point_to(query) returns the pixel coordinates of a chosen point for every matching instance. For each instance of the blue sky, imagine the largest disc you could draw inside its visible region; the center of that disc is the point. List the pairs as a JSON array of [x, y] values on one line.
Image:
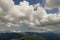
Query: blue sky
[[54, 10], [30, 1]]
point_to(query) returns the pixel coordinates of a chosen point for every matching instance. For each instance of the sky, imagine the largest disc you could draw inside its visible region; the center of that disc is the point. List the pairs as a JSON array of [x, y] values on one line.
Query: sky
[[30, 15], [31, 2]]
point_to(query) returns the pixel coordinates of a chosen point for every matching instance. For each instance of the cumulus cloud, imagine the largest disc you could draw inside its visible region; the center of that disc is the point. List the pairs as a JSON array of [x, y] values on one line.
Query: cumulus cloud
[[23, 17]]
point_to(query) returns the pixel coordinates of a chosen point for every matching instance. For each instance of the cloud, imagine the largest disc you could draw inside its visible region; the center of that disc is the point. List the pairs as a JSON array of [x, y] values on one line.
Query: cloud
[[23, 17], [52, 3]]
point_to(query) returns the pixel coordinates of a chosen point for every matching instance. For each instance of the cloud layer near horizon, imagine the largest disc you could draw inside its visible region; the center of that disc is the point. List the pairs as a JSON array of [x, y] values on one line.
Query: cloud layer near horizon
[[23, 18]]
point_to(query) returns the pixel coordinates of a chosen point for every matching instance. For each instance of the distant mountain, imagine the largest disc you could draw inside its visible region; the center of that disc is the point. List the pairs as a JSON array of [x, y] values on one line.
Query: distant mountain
[[11, 35], [46, 35]]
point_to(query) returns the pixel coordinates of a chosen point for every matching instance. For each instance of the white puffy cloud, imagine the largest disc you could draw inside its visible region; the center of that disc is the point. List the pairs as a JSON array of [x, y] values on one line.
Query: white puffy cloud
[[23, 17]]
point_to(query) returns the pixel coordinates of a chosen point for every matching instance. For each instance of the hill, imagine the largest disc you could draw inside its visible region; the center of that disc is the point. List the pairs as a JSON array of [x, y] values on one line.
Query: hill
[[46, 35]]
